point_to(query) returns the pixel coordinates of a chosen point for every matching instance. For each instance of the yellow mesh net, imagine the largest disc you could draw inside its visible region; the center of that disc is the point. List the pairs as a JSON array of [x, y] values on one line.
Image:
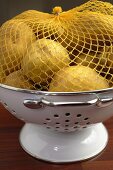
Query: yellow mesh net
[[63, 51]]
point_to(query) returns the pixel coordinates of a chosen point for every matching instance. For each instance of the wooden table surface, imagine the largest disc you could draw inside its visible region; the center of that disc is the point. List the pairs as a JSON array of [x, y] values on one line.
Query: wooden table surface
[[12, 156]]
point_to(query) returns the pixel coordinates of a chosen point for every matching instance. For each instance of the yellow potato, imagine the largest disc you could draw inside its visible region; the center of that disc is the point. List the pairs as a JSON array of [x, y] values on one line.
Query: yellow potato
[[39, 22], [2, 75], [30, 14], [45, 25], [77, 78], [43, 59], [33, 16], [96, 6], [15, 37], [16, 79]]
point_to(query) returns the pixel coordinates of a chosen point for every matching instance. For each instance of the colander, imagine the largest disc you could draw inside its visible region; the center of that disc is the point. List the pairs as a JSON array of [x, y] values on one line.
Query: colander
[[44, 51], [60, 127]]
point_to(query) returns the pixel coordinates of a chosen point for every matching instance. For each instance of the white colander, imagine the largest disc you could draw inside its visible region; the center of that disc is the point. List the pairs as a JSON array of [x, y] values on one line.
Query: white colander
[[60, 127]]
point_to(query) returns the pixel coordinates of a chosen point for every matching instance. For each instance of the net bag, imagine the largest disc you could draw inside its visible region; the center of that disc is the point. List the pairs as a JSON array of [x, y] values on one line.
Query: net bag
[[59, 52]]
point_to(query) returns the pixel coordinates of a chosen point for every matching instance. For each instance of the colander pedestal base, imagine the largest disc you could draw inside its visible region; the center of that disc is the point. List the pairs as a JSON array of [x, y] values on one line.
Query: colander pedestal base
[[59, 147]]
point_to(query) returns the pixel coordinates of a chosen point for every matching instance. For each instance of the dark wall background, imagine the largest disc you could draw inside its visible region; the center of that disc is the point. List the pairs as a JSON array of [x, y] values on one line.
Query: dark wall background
[[10, 8]]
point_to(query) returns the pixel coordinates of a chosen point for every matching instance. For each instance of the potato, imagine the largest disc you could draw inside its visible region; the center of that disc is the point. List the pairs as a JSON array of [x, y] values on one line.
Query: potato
[[77, 78], [96, 6], [38, 21], [41, 24], [15, 37], [33, 15], [2, 75], [16, 79], [29, 14], [43, 59]]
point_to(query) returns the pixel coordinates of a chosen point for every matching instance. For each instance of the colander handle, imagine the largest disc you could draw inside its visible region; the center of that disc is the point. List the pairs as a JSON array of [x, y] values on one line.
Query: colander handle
[[34, 104]]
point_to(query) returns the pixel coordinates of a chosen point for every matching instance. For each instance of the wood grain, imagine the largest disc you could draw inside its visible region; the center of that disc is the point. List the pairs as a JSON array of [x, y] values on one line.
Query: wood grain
[[12, 156]]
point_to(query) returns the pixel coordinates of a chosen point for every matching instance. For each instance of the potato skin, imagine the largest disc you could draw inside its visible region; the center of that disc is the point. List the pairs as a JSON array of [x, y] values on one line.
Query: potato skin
[[44, 58], [15, 37], [77, 78], [16, 79], [2, 75], [95, 6]]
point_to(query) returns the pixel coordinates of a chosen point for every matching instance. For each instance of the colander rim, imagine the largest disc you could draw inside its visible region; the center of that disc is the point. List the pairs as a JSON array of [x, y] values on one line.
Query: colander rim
[[54, 93]]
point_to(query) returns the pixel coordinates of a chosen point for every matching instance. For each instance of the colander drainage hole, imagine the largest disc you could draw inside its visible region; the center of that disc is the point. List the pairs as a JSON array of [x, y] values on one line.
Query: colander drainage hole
[[48, 127], [88, 123], [56, 115], [76, 123], [66, 125], [57, 123], [67, 120], [67, 114], [45, 123], [86, 118], [48, 119], [66, 129], [79, 115], [75, 127], [85, 127], [57, 127]]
